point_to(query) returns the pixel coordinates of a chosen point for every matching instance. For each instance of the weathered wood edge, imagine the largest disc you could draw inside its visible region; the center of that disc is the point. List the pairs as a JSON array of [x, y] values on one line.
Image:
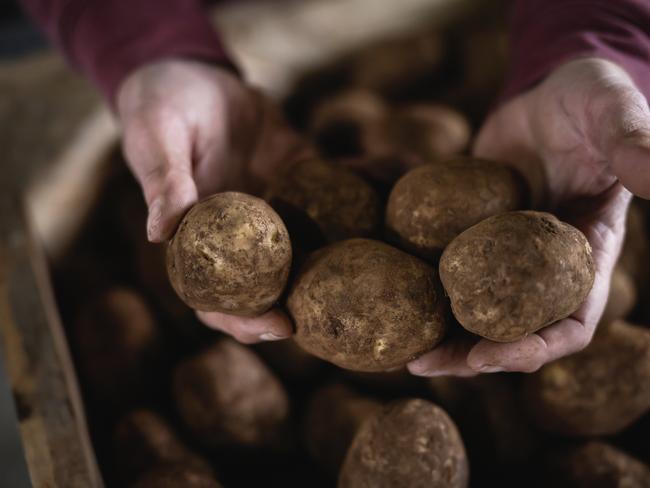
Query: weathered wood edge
[[37, 360]]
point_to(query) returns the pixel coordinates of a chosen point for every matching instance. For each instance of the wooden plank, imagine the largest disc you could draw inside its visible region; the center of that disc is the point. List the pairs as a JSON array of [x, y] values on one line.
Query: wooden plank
[[38, 363], [55, 135]]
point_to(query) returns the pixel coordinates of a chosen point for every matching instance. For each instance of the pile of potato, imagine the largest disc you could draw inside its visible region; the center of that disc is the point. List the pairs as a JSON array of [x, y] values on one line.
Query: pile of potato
[[380, 248]]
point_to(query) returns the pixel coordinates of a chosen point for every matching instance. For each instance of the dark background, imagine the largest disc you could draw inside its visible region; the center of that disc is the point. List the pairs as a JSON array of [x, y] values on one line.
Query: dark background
[[17, 35]]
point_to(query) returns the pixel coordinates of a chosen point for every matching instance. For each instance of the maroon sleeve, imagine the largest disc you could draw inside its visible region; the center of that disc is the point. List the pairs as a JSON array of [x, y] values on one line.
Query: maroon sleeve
[[546, 33], [106, 39]]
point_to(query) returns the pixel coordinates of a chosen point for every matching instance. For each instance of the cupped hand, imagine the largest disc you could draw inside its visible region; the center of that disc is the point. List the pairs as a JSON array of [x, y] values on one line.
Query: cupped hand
[[191, 129], [582, 140]]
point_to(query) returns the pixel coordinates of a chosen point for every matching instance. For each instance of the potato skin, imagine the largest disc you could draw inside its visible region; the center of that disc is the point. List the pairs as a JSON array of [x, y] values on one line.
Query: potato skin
[[514, 273], [231, 253], [366, 306], [338, 201], [598, 391], [432, 204], [410, 443], [226, 396], [598, 464]]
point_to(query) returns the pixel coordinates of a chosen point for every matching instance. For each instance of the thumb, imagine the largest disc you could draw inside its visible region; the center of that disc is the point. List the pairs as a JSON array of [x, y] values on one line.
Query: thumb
[[620, 121], [160, 159], [630, 162], [169, 195]]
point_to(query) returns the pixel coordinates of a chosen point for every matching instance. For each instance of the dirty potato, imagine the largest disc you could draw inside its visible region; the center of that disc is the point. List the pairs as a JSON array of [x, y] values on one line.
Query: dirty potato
[[226, 396], [231, 253], [366, 306], [410, 443], [515, 273], [340, 203], [432, 204]]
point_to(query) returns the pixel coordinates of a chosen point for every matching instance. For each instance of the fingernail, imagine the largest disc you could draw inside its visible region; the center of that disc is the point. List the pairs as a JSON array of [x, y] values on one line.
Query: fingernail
[[153, 221], [489, 368], [418, 367], [270, 336]]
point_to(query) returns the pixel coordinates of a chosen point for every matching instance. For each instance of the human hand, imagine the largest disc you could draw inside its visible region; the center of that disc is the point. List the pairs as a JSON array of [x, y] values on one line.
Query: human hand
[[191, 130], [582, 140]]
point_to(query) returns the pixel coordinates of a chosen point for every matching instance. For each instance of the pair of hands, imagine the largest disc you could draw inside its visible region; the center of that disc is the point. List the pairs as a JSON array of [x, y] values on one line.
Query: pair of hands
[[581, 138]]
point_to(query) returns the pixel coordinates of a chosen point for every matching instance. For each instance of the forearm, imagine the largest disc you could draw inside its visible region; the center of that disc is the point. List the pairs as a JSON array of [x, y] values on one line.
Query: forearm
[[107, 39], [547, 33]]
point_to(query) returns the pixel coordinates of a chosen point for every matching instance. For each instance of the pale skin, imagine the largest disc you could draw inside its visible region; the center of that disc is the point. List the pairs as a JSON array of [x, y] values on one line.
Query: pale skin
[[581, 137], [191, 130]]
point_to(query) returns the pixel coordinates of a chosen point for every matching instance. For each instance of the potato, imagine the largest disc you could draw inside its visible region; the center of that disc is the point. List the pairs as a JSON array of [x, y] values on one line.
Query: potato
[[426, 132], [226, 396], [410, 443], [119, 346], [231, 253], [339, 202], [349, 124], [598, 464], [177, 475], [143, 440], [334, 415], [514, 273], [432, 204], [366, 306], [599, 391], [622, 296]]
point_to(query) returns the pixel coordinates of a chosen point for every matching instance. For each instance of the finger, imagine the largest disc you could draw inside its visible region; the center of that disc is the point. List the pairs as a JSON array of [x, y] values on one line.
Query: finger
[[272, 326], [159, 150], [448, 359], [618, 121], [532, 352], [630, 161]]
